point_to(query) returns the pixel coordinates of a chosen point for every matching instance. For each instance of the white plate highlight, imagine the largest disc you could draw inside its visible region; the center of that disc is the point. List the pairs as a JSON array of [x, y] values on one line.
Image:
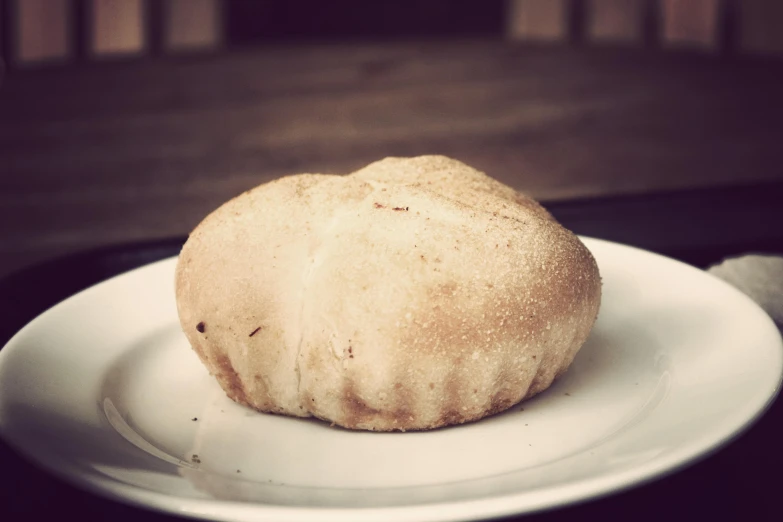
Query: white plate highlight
[[102, 390]]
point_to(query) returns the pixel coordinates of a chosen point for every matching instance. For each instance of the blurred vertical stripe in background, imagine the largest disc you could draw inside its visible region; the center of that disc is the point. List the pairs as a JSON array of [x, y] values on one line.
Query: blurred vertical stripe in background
[[49, 32], [691, 23], [193, 25], [538, 20], [615, 21], [42, 30], [118, 27], [760, 26]]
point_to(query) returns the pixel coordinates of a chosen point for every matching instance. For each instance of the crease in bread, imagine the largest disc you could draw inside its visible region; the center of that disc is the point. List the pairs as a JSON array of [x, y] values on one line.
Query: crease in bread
[[412, 294]]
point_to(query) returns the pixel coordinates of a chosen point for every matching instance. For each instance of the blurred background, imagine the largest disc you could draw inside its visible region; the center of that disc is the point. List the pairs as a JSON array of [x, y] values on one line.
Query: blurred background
[[129, 120]]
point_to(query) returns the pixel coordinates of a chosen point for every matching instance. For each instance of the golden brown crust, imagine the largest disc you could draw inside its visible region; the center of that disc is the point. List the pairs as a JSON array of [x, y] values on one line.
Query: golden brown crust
[[413, 294]]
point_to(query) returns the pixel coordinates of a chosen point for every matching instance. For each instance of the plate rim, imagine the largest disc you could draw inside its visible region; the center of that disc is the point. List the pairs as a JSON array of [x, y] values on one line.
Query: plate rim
[[490, 506]]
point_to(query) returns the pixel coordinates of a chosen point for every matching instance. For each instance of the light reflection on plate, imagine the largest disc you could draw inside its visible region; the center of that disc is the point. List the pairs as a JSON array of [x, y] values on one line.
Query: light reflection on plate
[[670, 372]]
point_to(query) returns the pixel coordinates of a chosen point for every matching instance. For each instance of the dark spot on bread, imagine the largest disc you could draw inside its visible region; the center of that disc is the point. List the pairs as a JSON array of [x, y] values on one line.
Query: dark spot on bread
[[230, 380], [356, 409], [451, 417], [201, 327], [452, 401], [501, 401], [254, 332], [443, 290], [378, 205], [395, 415]]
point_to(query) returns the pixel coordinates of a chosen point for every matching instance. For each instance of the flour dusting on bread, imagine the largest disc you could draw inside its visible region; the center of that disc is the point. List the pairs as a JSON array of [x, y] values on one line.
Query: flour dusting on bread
[[412, 294]]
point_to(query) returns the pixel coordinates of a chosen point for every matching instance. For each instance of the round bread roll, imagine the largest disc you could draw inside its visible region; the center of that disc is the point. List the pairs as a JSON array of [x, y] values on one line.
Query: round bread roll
[[412, 294]]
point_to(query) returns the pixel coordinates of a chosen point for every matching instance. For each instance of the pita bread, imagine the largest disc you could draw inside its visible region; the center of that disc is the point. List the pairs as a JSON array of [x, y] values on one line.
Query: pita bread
[[412, 294]]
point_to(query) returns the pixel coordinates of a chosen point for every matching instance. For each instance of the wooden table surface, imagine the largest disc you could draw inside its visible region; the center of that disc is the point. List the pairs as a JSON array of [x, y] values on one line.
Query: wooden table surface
[[105, 154]]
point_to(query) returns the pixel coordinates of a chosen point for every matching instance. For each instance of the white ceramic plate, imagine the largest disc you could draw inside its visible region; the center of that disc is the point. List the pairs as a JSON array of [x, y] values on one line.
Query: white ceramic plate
[[103, 390]]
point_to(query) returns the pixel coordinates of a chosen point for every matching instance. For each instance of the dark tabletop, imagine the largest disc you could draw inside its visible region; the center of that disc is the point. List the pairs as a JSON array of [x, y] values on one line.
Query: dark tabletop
[[680, 156], [124, 152]]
